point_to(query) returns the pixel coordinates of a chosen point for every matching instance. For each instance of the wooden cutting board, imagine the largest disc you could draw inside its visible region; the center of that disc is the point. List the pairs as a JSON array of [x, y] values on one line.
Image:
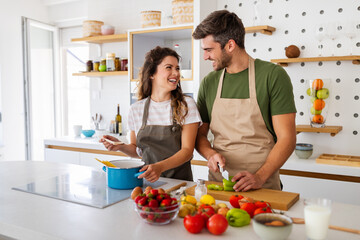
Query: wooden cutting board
[[278, 199], [343, 160]]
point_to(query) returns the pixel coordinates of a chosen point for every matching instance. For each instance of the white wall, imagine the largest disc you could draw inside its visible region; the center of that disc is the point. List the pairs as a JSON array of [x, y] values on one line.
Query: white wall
[[11, 61]]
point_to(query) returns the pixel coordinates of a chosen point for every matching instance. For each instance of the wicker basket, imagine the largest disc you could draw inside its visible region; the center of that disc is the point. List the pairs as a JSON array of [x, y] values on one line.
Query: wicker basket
[[150, 18], [92, 28], [183, 11]]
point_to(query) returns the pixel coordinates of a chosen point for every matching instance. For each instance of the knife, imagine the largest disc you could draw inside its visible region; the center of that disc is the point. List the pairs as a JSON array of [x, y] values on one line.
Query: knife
[[224, 173]]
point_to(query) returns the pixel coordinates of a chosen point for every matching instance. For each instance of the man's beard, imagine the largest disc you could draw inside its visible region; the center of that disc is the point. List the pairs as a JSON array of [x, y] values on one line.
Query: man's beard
[[224, 61]]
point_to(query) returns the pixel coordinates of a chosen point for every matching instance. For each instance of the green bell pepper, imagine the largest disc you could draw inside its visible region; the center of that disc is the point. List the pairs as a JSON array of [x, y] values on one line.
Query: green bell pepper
[[215, 187], [237, 217], [228, 184]]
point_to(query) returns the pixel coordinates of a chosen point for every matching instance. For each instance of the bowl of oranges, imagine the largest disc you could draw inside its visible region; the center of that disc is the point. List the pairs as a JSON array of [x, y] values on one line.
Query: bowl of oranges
[[318, 93]]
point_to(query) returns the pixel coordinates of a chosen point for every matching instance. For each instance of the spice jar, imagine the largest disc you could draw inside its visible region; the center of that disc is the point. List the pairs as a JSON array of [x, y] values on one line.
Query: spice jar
[[110, 62], [200, 189], [102, 67], [124, 64], [117, 64], [89, 66], [96, 66]]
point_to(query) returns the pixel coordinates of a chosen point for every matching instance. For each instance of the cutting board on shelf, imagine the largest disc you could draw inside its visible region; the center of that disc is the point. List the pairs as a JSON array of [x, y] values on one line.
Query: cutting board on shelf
[[278, 199], [335, 159]]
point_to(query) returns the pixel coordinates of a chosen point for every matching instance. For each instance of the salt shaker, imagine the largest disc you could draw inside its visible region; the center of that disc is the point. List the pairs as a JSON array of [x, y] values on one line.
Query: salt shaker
[[200, 189]]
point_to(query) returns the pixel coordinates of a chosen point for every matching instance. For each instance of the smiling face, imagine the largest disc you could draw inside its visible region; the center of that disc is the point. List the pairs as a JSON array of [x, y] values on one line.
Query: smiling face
[[167, 75], [213, 52]]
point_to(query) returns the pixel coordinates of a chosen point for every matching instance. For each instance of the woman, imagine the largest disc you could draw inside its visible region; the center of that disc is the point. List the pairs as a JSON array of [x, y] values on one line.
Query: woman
[[164, 122]]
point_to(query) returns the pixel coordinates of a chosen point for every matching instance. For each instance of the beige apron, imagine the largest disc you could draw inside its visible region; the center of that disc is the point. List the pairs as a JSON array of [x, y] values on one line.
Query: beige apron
[[240, 133]]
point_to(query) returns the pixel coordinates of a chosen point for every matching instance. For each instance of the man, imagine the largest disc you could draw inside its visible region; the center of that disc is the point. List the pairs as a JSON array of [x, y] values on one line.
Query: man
[[247, 104]]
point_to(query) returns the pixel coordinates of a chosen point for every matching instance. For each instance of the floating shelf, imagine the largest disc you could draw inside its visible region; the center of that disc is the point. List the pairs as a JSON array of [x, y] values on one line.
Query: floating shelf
[[284, 62], [101, 74], [333, 130], [103, 38], [264, 29]]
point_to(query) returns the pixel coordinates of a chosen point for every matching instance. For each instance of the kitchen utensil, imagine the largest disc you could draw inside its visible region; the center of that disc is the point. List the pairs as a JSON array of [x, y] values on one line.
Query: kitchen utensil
[[114, 143], [350, 230], [175, 187], [278, 199], [106, 163], [303, 150], [124, 176], [266, 232], [96, 120], [224, 173]]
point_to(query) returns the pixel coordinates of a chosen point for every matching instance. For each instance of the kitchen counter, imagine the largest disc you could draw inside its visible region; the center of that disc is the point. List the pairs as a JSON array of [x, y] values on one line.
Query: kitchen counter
[[28, 216], [293, 163]]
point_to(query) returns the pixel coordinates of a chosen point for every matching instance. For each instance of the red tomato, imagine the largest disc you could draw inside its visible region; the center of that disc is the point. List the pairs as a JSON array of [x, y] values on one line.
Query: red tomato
[[217, 224], [206, 211], [194, 224], [249, 208], [261, 204], [234, 200], [262, 210]]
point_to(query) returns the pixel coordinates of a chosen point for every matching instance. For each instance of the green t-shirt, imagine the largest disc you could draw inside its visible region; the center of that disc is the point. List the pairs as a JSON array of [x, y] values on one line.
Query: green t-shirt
[[274, 91]]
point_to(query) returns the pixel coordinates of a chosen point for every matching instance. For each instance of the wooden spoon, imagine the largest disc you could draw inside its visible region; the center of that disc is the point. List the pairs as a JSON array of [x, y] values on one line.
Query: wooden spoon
[[175, 187], [302, 221]]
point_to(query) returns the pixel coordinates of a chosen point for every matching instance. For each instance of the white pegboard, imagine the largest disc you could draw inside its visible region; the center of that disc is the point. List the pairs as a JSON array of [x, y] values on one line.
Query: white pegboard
[[295, 22]]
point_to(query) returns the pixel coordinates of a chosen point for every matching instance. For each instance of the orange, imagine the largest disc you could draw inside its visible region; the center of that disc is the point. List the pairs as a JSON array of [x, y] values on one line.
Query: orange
[[318, 118], [317, 84], [319, 104]]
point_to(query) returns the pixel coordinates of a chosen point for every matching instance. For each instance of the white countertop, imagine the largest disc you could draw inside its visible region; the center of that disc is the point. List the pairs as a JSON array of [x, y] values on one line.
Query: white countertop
[[293, 163], [28, 216]]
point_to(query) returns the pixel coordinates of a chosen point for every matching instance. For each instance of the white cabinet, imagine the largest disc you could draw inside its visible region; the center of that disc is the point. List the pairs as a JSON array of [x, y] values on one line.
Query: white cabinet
[[62, 156]]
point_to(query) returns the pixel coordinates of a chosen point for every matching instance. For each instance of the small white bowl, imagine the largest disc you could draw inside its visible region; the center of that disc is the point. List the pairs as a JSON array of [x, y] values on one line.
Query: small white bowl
[[266, 232], [107, 30]]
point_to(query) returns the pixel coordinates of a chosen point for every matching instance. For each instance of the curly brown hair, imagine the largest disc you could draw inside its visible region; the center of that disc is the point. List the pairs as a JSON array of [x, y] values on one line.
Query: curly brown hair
[[223, 26], [152, 59]]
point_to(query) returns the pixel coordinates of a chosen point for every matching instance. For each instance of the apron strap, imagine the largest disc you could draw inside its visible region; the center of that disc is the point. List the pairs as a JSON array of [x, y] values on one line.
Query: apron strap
[[146, 113]]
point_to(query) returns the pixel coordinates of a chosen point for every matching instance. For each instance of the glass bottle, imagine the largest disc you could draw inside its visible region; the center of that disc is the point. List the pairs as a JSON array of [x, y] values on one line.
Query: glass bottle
[[110, 62], [200, 189], [118, 127]]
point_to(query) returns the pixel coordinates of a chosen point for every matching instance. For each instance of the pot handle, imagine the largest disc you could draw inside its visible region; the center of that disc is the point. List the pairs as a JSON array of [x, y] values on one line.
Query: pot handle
[[138, 174], [104, 168]]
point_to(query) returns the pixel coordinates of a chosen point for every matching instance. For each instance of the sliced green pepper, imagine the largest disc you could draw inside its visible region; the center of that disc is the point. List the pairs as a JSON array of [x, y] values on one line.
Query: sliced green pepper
[[228, 184], [237, 217], [215, 187]]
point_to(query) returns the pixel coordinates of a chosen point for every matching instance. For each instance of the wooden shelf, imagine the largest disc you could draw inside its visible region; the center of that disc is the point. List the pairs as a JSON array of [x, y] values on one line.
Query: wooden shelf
[[101, 74], [333, 130], [264, 29], [103, 38], [284, 62]]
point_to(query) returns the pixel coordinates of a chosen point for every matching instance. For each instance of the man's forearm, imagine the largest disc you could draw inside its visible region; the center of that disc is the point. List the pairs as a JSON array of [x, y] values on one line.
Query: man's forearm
[[276, 158], [203, 146]]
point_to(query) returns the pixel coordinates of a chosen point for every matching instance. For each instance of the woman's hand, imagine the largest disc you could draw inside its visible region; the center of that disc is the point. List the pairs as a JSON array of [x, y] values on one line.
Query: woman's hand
[[108, 145], [152, 172]]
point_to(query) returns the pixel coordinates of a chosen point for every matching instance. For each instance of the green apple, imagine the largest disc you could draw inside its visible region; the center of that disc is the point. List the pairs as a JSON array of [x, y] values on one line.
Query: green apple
[[315, 112], [323, 93], [312, 99], [311, 92]]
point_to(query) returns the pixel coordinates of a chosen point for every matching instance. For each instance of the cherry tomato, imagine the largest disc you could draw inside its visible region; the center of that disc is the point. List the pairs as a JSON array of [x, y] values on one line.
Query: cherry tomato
[[206, 211], [261, 204], [262, 210], [234, 200], [217, 224], [249, 208], [194, 223]]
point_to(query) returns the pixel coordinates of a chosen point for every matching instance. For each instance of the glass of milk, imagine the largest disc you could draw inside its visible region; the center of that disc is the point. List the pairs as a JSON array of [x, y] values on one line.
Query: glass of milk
[[317, 213]]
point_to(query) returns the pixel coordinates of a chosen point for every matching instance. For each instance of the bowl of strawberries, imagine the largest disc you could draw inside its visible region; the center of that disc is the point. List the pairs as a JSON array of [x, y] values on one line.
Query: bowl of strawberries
[[156, 207]]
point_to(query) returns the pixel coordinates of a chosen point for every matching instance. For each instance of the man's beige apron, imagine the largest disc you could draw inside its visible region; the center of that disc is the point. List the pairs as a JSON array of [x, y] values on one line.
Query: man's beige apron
[[159, 142], [240, 133]]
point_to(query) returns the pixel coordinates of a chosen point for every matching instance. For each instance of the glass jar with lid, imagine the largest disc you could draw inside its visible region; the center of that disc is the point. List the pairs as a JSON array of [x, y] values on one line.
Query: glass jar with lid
[[102, 67], [200, 189], [110, 62]]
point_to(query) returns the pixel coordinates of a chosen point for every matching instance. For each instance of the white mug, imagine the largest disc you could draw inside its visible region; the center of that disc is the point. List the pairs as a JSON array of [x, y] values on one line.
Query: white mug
[[77, 130]]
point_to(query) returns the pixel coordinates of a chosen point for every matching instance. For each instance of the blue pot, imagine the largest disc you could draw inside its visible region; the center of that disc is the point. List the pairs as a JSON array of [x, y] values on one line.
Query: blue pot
[[124, 176]]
